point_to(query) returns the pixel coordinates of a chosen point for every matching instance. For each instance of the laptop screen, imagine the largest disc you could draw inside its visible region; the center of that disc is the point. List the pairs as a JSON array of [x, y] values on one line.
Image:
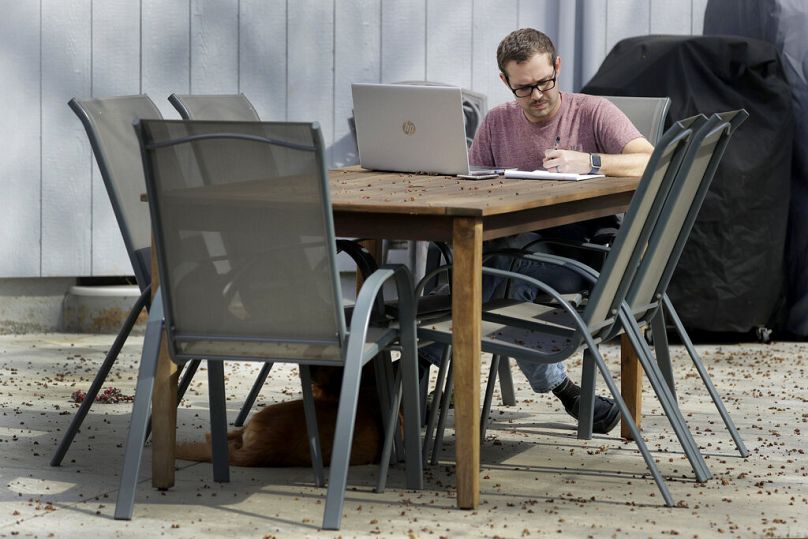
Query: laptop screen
[[410, 128]]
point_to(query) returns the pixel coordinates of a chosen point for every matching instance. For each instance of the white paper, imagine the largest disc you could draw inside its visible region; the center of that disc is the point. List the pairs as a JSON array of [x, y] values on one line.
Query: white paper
[[545, 175]]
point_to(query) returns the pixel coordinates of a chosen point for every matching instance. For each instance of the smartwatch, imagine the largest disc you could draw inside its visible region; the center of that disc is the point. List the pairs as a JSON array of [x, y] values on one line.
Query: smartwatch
[[594, 162]]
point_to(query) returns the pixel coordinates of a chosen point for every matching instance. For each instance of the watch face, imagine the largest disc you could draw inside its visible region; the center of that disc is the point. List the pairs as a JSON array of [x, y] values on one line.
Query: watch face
[[595, 160]]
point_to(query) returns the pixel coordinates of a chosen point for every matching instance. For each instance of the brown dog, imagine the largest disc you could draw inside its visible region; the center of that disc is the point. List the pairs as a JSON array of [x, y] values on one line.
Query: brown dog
[[276, 436]]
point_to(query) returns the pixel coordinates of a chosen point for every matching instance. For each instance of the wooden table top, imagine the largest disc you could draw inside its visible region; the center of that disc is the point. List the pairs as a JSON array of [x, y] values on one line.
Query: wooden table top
[[393, 192]]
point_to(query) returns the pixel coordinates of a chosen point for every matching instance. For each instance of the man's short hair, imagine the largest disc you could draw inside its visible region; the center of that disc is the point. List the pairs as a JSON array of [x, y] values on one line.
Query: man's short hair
[[520, 46]]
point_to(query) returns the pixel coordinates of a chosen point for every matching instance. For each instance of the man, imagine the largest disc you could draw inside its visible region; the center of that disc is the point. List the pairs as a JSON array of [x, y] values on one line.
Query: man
[[542, 126], [564, 132]]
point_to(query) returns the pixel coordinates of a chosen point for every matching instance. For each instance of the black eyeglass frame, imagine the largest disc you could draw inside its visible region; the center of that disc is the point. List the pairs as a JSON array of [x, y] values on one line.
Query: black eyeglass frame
[[548, 84]]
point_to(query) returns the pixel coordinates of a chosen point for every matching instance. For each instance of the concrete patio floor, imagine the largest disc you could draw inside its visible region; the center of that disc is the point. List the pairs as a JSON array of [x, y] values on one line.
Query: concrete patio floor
[[537, 479]]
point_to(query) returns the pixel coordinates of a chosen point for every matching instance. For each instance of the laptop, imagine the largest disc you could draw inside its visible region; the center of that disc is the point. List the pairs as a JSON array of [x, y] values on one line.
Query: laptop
[[410, 128]]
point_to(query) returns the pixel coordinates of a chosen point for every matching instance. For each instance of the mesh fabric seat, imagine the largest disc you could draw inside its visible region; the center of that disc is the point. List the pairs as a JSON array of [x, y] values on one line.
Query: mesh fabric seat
[[247, 263], [552, 333]]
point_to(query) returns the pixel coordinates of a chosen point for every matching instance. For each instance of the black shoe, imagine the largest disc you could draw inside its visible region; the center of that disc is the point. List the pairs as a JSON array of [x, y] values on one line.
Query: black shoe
[[605, 416]]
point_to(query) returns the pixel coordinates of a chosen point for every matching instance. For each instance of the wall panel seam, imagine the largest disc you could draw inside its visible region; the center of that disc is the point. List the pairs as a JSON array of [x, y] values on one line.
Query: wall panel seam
[[140, 51], [238, 47], [333, 74], [92, 94], [41, 131]]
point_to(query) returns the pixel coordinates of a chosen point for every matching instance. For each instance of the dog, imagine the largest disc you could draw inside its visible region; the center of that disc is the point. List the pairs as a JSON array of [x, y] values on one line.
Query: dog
[[276, 436]]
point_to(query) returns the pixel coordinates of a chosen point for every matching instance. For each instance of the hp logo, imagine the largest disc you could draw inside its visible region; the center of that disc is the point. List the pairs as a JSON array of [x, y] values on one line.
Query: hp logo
[[408, 127]]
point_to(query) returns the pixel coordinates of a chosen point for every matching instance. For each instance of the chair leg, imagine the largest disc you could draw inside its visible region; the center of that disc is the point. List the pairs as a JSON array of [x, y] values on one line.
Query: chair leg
[[343, 437], [666, 399], [506, 382], [408, 366], [253, 394], [407, 380], [444, 411], [586, 404], [188, 372], [100, 377], [389, 434], [705, 377], [187, 375], [140, 413], [662, 351], [436, 399], [385, 390], [309, 410], [635, 432], [218, 422], [489, 394]]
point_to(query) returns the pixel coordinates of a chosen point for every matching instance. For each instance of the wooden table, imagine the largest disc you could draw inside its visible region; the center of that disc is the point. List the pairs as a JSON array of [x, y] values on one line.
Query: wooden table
[[371, 204]]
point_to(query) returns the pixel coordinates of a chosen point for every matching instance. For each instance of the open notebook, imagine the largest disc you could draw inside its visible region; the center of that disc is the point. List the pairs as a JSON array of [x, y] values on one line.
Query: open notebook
[[546, 175]]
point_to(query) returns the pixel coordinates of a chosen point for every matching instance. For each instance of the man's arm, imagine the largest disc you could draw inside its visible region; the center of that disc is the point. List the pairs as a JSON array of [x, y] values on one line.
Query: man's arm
[[630, 162]]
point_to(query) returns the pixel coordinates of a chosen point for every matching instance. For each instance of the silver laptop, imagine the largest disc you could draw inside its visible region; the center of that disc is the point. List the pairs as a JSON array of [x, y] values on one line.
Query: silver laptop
[[409, 128]]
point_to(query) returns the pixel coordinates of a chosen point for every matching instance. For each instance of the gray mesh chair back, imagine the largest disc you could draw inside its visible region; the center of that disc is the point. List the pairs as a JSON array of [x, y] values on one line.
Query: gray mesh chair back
[[108, 122], [236, 107], [629, 244], [247, 266], [265, 267], [687, 195], [646, 113], [223, 107], [226, 107]]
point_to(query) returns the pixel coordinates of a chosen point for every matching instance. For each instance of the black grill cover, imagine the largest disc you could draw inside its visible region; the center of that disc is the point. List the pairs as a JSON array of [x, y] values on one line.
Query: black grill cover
[[731, 274]]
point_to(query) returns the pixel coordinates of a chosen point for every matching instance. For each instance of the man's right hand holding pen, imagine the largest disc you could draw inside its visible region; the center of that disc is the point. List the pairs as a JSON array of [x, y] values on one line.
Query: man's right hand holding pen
[[571, 161]]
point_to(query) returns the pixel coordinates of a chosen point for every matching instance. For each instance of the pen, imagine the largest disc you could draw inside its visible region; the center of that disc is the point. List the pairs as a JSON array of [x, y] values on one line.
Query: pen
[[557, 142]]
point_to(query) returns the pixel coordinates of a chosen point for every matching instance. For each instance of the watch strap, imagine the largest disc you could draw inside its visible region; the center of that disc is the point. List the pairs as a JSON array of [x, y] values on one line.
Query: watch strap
[[594, 163]]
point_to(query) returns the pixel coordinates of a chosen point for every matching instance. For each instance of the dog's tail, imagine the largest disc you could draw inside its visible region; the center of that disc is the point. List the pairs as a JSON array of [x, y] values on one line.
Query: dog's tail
[[202, 452], [199, 451]]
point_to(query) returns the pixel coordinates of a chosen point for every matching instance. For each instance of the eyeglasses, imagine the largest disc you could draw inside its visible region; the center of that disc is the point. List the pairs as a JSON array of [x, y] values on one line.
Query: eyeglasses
[[541, 86]]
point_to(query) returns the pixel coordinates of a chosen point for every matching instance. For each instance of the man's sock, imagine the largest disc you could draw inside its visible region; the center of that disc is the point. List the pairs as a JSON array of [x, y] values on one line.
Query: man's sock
[[567, 392]]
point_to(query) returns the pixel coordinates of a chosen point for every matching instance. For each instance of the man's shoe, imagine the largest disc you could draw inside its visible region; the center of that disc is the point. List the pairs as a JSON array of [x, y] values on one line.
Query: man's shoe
[[605, 416]]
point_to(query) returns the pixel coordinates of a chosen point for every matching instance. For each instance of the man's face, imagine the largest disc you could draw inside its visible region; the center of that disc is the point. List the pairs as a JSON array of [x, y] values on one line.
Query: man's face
[[539, 70]]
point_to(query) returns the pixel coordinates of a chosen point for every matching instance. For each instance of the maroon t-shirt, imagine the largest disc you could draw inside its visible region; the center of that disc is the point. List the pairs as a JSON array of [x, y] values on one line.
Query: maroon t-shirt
[[585, 123]]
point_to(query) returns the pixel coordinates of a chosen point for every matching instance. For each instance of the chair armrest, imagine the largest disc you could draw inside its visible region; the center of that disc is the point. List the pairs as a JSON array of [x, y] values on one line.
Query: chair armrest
[[583, 245]]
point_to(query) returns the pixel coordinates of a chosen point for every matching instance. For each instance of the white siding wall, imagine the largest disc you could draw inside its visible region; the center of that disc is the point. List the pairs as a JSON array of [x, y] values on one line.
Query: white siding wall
[[294, 59]]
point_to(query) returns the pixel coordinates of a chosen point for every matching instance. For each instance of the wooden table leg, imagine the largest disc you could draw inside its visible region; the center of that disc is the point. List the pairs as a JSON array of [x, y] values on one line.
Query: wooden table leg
[[630, 384], [374, 247], [164, 405], [466, 315]]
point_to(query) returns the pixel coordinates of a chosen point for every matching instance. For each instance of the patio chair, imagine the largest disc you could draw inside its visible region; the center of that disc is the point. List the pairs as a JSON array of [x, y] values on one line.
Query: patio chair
[[647, 299], [108, 122], [554, 332], [273, 295], [648, 116], [646, 113], [237, 108]]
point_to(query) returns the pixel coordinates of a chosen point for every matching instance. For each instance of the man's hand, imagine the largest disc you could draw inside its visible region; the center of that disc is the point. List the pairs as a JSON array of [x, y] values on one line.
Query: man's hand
[[566, 161], [630, 162]]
